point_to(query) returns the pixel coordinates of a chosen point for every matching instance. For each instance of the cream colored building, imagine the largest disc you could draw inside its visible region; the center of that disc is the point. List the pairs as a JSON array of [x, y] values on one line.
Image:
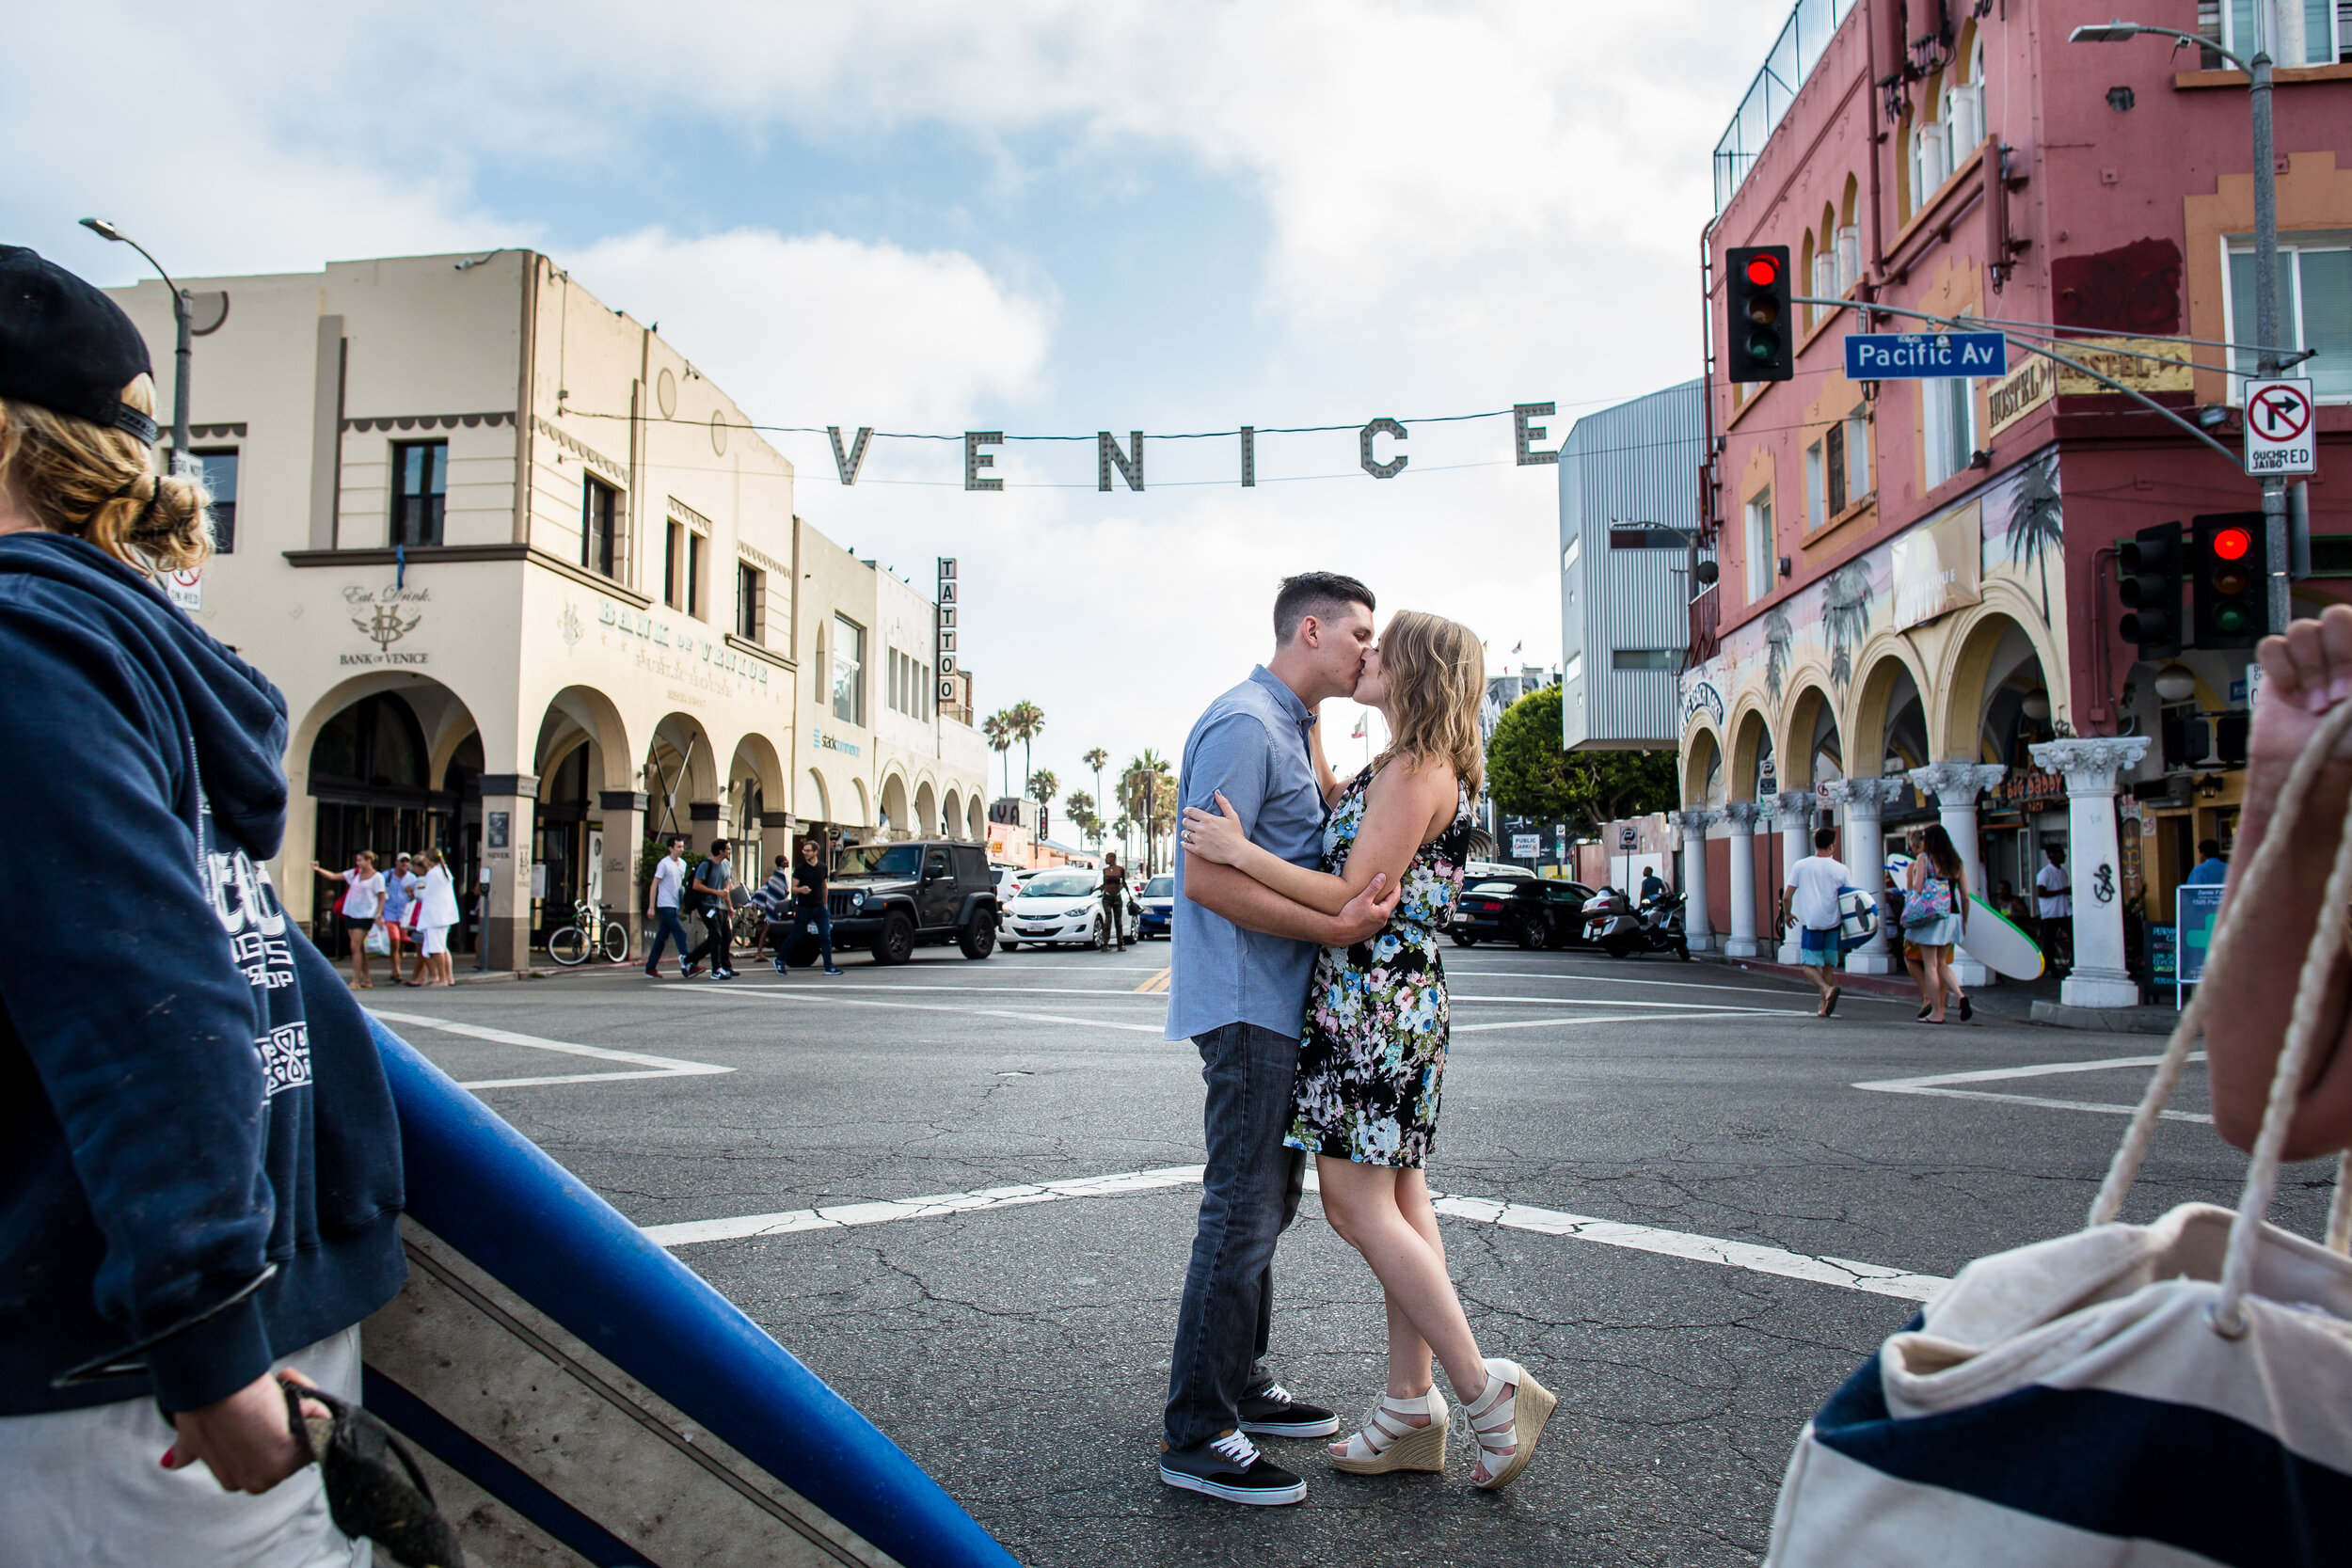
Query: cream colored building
[[530, 583]]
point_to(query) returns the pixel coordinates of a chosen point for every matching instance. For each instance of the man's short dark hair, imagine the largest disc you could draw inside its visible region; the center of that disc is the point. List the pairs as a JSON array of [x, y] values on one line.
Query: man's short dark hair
[[1316, 594], [675, 841], [2209, 847], [1824, 837], [2056, 851], [719, 847]]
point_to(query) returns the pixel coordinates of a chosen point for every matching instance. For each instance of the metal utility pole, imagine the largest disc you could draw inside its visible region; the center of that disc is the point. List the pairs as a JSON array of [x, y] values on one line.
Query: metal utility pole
[[2268, 359], [182, 355]]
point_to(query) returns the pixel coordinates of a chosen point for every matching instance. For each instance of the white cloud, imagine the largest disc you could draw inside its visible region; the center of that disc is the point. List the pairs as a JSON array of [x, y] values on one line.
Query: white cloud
[[872, 334]]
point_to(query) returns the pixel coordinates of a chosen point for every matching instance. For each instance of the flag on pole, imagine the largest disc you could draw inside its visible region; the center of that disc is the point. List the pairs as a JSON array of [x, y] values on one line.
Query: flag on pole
[[1358, 734], [1516, 646]]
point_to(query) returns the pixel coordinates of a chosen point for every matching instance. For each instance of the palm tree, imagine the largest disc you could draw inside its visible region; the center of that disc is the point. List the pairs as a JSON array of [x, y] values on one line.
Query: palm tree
[[1096, 759], [2037, 523], [1079, 808], [1024, 719], [1042, 786], [997, 726], [1123, 829], [1141, 786]]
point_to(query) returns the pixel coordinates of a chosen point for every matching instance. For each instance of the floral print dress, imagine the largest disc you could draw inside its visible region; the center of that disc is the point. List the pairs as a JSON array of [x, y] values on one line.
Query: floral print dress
[[1374, 1041]]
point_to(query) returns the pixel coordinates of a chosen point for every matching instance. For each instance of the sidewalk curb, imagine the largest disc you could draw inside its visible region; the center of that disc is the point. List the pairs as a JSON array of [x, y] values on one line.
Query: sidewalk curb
[[2109, 1021]]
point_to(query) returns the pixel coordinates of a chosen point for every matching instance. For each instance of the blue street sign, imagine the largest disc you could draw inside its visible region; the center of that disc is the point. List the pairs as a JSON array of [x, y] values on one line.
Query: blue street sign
[[1924, 355]]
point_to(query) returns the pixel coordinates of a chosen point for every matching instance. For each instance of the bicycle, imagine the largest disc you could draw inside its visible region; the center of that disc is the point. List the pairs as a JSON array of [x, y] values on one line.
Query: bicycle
[[572, 944]]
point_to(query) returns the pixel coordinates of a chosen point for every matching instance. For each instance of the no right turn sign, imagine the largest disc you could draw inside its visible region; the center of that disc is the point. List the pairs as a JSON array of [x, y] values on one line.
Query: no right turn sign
[[2281, 437]]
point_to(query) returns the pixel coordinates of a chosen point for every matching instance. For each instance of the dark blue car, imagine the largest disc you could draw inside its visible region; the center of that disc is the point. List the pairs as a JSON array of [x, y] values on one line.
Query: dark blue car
[[1159, 906]]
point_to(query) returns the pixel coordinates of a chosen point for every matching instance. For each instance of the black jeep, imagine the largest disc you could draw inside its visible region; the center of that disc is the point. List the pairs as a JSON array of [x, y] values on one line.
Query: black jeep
[[890, 897]]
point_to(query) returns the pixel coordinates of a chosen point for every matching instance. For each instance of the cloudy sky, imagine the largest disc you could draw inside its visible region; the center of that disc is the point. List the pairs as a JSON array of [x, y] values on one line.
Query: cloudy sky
[[1032, 215]]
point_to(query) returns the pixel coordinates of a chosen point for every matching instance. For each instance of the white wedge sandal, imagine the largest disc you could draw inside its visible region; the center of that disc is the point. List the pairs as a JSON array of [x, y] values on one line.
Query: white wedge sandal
[[1389, 1442], [1515, 1419]]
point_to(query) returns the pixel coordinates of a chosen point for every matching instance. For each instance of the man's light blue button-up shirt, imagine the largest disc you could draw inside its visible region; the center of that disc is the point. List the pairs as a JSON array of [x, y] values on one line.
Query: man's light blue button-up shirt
[[1250, 747]]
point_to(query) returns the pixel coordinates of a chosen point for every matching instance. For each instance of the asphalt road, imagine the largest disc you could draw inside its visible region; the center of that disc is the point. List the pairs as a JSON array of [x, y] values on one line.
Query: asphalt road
[[1771, 1220]]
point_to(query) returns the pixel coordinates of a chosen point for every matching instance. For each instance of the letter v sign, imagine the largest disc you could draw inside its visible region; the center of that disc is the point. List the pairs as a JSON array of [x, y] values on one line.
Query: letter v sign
[[849, 463]]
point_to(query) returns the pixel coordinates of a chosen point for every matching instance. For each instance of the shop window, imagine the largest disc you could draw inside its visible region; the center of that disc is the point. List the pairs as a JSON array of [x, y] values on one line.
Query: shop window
[[849, 671], [419, 491], [218, 467], [674, 565], [2314, 310], [1948, 419], [1760, 547], [2324, 24], [600, 520], [1856, 441], [694, 550], [751, 602]]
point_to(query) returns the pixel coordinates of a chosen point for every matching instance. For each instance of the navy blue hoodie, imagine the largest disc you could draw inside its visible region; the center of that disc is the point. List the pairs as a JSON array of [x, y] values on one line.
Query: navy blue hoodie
[[188, 1092]]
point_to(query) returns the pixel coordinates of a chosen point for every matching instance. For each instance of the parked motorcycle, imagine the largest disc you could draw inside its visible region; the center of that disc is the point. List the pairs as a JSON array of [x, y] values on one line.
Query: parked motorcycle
[[1612, 924]]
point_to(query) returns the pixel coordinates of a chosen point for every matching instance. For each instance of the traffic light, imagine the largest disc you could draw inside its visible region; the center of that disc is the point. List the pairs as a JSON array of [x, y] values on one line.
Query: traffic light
[[2151, 590], [2232, 609], [1757, 291]]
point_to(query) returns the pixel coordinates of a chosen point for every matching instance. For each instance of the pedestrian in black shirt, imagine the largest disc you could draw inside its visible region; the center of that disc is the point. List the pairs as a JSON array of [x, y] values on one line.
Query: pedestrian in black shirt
[[1114, 902], [809, 878]]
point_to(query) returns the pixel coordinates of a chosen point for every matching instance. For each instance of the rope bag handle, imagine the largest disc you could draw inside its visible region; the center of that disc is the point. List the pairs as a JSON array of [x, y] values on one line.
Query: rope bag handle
[[2327, 941]]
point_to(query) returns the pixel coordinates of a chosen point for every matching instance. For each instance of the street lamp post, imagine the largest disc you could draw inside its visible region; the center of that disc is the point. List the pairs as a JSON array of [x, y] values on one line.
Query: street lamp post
[[180, 314], [2267, 361]]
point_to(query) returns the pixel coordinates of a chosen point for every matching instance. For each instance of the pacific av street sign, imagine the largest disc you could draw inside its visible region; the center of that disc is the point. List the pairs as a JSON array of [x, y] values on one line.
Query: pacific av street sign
[[1924, 355]]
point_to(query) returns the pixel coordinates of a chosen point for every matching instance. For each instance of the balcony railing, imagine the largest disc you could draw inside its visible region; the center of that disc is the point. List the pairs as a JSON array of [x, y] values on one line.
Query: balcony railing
[[1802, 41]]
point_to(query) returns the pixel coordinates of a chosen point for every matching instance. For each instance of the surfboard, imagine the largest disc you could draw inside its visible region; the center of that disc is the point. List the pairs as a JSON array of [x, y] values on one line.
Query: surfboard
[[578, 1396], [1997, 942]]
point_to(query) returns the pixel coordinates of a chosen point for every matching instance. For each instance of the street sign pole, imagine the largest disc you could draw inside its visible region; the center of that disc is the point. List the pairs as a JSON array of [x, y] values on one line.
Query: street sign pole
[[2266, 309]]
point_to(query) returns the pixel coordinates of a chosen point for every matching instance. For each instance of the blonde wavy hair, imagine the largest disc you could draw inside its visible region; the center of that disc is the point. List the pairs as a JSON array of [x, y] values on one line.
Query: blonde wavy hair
[[94, 483], [1436, 674]]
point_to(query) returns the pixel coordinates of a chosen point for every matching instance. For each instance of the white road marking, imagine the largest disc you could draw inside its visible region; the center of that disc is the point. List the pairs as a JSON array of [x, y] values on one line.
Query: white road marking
[[1872, 1278], [779, 993], [1603, 978], [689, 1232], [1875, 1278], [1613, 1002], [1579, 1019], [1940, 1085], [657, 1066]]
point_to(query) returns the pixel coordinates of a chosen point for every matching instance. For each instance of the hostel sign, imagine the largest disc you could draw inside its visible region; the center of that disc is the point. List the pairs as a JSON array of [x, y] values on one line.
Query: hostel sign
[[1924, 355]]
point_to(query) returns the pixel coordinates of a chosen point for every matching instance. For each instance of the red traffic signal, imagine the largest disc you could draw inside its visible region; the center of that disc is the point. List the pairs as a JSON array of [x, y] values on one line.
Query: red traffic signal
[[2232, 610], [1756, 313]]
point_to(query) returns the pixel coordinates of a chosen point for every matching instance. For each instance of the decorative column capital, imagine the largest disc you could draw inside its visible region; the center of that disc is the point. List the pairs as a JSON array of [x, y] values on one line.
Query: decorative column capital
[[1792, 806], [2092, 762], [1740, 816], [1865, 796], [1955, 783], [1695, 821]]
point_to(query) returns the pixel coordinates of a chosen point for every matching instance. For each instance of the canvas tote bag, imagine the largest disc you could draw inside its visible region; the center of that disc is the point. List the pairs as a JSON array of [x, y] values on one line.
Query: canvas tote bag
[[2171, 1395]]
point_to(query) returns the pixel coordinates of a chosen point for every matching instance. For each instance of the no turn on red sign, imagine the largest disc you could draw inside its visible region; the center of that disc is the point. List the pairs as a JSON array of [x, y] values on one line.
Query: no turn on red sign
[[2282, 437]]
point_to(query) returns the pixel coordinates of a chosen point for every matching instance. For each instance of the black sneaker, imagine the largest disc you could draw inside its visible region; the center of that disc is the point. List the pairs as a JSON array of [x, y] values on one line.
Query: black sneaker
[[1231, 1467], [1272, 1413]]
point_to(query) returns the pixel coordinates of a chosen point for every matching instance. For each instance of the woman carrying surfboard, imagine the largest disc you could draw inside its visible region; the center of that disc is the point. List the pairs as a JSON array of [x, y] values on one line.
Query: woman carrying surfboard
[[203, 1181], [1935, 915]]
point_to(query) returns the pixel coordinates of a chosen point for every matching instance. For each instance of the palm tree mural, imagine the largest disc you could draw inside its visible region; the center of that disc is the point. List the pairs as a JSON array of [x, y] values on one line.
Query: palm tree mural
[[2037, 523], [1845, 618], [1778, 635]]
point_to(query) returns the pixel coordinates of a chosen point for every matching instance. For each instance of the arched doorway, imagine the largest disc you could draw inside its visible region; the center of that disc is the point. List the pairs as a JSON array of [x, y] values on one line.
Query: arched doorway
[[951, 815], [2001, 706], [893, 820], [371, 777], [925, 810]]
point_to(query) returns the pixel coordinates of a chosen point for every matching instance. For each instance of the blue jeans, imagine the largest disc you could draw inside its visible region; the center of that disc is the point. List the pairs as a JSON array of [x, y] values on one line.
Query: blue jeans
[[670, 931], [1249, 1196]]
